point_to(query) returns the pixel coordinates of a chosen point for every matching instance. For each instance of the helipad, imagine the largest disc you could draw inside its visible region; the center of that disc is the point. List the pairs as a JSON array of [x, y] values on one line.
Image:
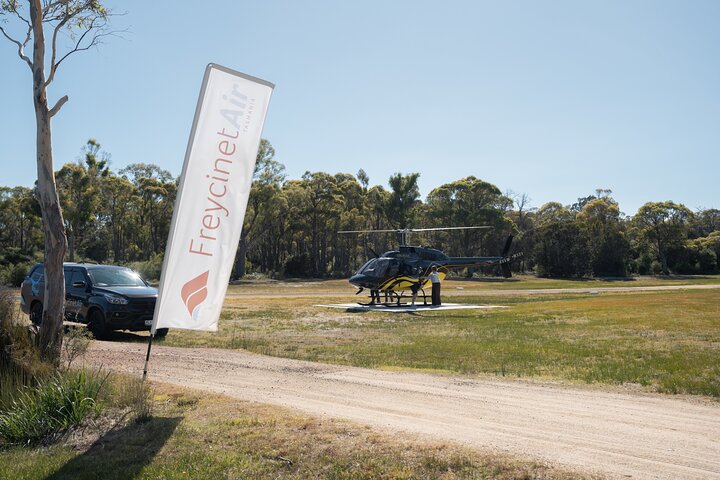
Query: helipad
[[354, 307]]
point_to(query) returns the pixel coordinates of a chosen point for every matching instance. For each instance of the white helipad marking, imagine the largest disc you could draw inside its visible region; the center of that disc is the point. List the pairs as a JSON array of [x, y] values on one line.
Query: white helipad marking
[[406, 308]]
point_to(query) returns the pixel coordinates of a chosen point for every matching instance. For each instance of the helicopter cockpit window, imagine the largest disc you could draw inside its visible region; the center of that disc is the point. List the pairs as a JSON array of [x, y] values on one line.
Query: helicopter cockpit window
[[375, 267], [366, 266]]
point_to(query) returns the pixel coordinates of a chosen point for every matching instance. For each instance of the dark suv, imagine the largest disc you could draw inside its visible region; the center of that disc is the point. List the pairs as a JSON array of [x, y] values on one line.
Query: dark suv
[[105, 297]]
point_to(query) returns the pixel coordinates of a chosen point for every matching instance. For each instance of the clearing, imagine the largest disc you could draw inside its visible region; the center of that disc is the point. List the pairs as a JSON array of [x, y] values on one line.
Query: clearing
[[619, 434]]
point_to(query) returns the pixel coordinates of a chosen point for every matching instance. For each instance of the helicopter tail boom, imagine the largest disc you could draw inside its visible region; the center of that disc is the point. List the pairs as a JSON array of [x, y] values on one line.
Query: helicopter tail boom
[[503, 261]]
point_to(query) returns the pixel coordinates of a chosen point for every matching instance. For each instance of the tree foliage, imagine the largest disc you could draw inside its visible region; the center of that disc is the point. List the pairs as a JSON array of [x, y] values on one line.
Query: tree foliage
[[663, 226], [290, 225], [562, 250]]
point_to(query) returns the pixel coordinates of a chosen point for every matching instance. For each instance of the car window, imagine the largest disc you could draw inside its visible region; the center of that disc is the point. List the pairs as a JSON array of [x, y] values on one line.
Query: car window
[[78, 277], [68, 278], [75, 277], [115, 277], [38, 274]]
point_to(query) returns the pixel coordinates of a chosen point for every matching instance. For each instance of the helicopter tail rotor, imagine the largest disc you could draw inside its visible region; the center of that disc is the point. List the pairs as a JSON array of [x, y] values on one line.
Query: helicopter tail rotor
[[507, 258], [505, 262]]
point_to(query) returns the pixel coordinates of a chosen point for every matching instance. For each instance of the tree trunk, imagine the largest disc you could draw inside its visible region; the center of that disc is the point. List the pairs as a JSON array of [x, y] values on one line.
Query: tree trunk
[[242, 253], [663, 260], [71, 244], [51, 330]]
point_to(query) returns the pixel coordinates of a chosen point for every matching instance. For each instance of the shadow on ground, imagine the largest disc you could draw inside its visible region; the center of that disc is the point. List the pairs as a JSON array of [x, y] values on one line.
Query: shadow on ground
[[483, 279], [121, 453], [130, 337]]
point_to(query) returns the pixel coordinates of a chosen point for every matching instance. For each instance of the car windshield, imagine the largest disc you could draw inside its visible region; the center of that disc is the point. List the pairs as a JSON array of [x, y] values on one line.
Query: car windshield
[[115, 277]]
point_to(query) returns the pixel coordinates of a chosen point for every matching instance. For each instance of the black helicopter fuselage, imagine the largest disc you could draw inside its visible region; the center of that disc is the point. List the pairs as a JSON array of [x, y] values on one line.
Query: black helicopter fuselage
[[399, 270]]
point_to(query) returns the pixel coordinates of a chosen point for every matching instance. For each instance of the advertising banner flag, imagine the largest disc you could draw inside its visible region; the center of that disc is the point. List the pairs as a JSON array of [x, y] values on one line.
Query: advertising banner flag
[[212, 198]]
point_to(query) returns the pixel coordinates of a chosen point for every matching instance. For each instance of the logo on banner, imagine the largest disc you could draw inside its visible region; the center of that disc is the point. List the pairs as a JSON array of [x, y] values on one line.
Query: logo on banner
[[195, 292]]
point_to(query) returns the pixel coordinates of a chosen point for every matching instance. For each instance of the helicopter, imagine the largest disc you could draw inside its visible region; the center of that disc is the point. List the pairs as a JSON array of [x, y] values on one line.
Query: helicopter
[[395, 272]]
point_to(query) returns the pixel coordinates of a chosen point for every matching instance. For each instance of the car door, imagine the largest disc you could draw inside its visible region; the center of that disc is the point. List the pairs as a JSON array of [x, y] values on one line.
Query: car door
[[75, 293], [37, 284]]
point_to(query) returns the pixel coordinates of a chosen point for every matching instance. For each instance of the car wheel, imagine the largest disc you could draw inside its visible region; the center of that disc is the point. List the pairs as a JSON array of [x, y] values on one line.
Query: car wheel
[[161, 332], [97, 325], [36, 313]]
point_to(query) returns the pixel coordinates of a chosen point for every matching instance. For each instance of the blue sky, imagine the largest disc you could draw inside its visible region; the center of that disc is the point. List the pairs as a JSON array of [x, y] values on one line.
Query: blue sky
[[553, 99]]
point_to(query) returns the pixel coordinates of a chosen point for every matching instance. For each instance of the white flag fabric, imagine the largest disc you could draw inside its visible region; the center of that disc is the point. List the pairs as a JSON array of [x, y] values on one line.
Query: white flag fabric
[[211, 202]]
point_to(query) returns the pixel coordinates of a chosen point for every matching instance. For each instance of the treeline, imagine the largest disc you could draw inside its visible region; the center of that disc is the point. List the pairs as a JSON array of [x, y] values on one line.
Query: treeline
[[291, 225]]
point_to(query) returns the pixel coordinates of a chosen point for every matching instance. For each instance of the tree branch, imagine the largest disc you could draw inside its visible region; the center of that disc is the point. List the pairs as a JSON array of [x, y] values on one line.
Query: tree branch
[[21, 46], [58, 106], [53, 65], [96, 40], [17, 14]]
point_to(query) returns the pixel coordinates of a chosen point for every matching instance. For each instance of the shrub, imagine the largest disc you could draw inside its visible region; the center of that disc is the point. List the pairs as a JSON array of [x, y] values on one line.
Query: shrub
[[20, 362], [76, 342], [13, 275], [150, 269], [55, 405], [298, 266]]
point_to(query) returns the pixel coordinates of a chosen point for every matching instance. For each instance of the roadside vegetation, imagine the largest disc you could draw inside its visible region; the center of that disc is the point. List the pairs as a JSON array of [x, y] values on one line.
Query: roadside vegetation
[[666, 341], [20, 362], [195, 435], [41, 403]]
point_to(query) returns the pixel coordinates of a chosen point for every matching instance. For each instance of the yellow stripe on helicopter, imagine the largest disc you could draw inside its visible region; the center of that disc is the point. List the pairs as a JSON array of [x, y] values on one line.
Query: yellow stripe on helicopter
[[403, 282]]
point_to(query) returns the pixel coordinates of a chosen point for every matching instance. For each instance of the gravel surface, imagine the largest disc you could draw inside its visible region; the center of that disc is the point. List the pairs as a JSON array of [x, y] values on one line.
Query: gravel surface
[[618, 434]]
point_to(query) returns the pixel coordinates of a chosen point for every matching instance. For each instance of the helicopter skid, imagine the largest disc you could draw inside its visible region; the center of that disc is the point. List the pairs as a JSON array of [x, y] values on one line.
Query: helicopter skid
[[392, 299]]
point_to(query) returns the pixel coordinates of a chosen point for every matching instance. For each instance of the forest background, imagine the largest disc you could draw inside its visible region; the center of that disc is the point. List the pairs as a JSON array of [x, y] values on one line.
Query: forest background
[[291, 225]]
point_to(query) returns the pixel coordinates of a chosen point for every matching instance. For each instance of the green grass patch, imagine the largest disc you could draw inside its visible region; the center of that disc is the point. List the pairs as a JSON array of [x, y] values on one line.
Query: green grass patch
[[56, 404], [666, 341], [527, 282]]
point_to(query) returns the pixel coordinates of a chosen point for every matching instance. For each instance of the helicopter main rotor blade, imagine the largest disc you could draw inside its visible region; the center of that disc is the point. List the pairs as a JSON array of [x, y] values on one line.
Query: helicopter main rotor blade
[[410, 230], [367, 231], [483, 227]]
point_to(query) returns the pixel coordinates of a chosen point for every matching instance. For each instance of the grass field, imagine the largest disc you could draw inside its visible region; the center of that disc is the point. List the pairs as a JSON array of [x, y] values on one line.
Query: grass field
[[665, 341], [198, 436]]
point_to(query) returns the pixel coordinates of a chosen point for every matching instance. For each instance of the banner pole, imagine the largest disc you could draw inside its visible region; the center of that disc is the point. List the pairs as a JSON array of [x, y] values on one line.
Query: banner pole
[[147, 357]]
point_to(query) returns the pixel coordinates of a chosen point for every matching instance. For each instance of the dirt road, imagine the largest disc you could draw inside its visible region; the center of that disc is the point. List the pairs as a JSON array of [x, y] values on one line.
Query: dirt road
[[618, 434]]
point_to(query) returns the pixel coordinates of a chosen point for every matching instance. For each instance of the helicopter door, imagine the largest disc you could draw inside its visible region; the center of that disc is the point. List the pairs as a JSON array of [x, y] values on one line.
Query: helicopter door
[[393, 268]]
